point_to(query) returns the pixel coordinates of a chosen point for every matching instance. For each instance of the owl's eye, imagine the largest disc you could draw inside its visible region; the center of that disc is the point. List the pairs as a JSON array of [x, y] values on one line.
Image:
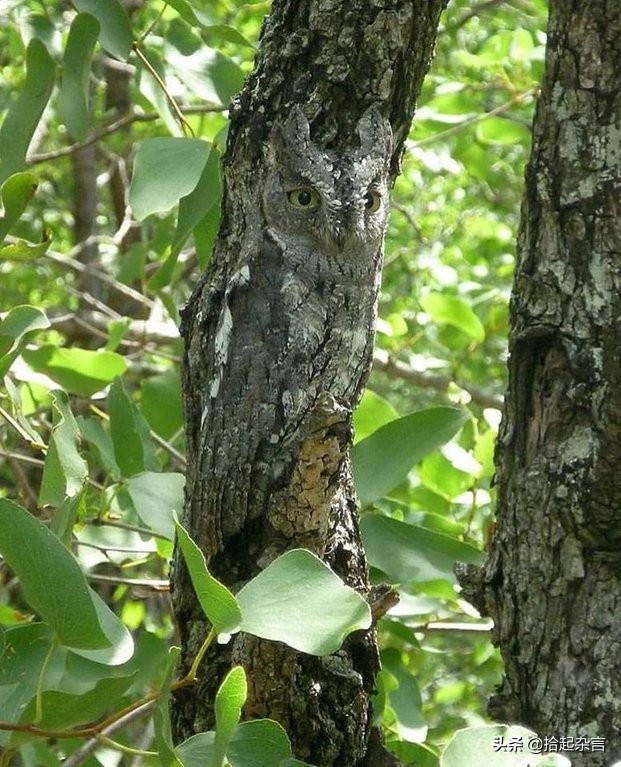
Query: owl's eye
[[303, 197], [372, 200]]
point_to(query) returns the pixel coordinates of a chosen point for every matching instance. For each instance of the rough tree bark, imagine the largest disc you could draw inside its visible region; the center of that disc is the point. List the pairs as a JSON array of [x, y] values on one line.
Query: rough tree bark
[[336, 58], [552, 582]]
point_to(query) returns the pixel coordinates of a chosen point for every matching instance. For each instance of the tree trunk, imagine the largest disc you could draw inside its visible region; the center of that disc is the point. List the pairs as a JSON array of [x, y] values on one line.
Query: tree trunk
[[263, 477], [552, 582]]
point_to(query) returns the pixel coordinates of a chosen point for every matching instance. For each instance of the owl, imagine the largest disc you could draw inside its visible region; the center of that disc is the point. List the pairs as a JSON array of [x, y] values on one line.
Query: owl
[[294, 319]]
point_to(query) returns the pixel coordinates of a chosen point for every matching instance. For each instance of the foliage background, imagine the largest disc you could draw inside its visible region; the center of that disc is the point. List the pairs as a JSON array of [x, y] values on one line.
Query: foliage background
[[91, 248]]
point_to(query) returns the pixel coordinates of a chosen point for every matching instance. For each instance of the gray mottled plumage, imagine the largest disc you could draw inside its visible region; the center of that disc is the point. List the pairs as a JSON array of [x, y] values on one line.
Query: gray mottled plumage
[[295, 320]]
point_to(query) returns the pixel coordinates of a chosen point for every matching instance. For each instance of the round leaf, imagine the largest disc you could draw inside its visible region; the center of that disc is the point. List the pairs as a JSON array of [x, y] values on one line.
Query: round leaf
[[474, 746], [287, 602], [165, 169]]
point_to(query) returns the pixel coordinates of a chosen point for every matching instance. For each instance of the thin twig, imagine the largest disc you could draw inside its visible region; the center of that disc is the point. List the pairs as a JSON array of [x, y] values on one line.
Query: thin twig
[[82, 754], [185, 125], [396, 369], [155, 584], [113, 127], [475, 11], [71, 261], [474, 120]]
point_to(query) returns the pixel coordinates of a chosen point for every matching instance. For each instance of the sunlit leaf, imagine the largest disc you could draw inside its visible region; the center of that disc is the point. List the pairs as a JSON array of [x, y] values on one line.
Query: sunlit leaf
[[23, 117], [498, 130], [257, 743], [383, 460], [230, 698], [78, 371], [372, 412], [15, 194], [455, 311], [287, 601], [474, 746], [21, 250]]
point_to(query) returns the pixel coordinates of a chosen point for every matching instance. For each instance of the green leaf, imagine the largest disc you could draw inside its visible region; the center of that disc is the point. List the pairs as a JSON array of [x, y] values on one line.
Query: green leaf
[[16, 193], [405, 698], [226, 76], [165, 169], [213, 32], [217, 602], [128, 431], [26, 649], [65, 471], [474, 746], [52, 581], [163, 734], [74, 89], [372, 412], [23, 117], [408, 553], [15, 327], [230, 699], [62, 710], [293, 763], [501, 132], [78, 371], [383, 460], [116, 32], [454, 311], [100, 441], [165, 387], [22, 250], [205, 233], [120, 642], [287, 601], [197, 750], [156, 497], [257, 743], [194, 206]]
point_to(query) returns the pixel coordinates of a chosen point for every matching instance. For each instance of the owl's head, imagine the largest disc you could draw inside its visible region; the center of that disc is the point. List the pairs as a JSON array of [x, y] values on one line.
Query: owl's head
[[334, 201]]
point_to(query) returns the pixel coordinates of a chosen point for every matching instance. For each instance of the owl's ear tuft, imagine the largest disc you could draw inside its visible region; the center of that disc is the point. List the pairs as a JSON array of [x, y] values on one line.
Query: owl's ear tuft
[[375, 134], [291, 139]]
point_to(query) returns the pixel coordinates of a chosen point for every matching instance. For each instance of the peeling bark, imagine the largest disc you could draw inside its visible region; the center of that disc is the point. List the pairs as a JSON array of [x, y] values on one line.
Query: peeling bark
[[336, 58], [552, 582]]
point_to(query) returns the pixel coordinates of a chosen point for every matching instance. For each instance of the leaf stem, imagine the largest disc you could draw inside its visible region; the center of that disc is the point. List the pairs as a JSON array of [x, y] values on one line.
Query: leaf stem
[[185, 125], [39, 696], [190, 677]]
